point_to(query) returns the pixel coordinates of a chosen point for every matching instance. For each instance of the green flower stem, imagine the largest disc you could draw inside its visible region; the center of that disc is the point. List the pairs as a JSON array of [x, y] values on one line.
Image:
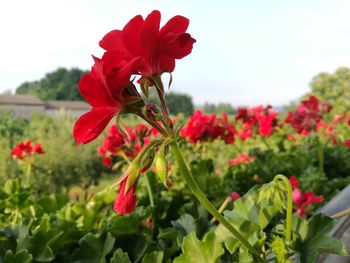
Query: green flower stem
[[149, 190], [222, 208], [160, 89], [266, 144], [28, 174], [288, 186], [151, 202], [345, 212], [205, 202]]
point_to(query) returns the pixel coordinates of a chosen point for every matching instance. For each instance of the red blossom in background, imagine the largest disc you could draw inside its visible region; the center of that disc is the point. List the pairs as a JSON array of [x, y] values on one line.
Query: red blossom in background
[[257, 119], [24, 150], [243, 158], [157, 48], [235, 196], [128, 145], [208, 127], [308, 116], [302, 201]]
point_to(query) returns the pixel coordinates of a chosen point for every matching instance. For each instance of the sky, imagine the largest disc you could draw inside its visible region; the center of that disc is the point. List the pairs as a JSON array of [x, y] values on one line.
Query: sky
[[247, 52]]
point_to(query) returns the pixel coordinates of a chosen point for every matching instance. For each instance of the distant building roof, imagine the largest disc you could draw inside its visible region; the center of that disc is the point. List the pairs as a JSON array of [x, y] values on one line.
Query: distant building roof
[[67, 104], [20, 99]]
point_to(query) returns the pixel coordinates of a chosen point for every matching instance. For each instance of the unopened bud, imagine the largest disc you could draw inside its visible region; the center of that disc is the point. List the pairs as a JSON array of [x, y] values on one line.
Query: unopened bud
[[160, 166]]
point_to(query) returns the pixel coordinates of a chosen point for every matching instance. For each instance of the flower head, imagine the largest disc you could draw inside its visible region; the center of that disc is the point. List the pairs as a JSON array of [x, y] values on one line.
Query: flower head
[[24, 150], [156, 47]]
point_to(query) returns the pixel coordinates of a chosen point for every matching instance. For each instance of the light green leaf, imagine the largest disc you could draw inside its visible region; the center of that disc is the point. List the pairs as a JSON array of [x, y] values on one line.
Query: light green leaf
[[21, 256], [94, 249], [194, 251], [120, 257], [154, 257]]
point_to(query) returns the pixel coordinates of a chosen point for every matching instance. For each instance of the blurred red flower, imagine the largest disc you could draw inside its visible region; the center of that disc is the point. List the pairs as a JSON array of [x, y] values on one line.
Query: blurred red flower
[[308, 116], [26, 149], [205, 127]]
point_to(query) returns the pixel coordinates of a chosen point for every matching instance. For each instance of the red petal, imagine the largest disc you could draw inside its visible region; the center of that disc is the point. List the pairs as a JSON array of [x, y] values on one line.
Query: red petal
[[113, 40], [149, 34], [131, 34], [177, 24], [125, 203], [93, 92], [167, 63], [177, 46], [92, 123]]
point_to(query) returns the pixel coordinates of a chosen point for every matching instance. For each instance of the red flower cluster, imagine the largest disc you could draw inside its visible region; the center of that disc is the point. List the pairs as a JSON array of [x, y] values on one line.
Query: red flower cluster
[[303, 200], [243, 158], [142, 48], [24, 150], [208, 127], [308, 115], [256, 119], [115, 144]]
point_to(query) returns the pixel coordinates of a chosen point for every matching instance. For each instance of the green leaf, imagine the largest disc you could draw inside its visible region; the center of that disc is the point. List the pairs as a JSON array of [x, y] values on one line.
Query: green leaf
[[244, 256], [280, 250], [194, 251], [120, 257], [316, 240], [94, 249], [154, 257], [21, 256]]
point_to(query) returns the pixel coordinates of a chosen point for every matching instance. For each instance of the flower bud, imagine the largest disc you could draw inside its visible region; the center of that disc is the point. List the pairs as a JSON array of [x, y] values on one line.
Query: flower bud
[[160, 166]]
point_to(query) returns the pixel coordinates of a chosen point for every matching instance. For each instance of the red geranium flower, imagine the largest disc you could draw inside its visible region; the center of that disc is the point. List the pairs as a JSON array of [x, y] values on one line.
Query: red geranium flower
[[157, 48], [302, 200], [104, 88], [26, 149], [308, 116], [243, 158]]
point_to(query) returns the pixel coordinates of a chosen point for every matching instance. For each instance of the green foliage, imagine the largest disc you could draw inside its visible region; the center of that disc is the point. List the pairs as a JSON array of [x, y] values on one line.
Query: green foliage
[[120, 257], [179, 103], [209, 250], [218, 108], [334, 89], [60, 84], [312, 238]]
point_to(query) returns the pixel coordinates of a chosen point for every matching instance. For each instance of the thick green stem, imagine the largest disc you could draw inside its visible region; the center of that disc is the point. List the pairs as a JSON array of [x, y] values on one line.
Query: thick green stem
[[28, 174], [289, 189], [149, 190], [266, 144], [160, 90], [222, 207], [205, 202]]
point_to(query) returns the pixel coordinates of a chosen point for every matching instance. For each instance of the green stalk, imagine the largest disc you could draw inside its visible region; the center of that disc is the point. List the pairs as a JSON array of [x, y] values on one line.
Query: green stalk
[[205, 202], [288, 186], [149, 190], [151, 202], [222, 207], [29, 172], [265, 142]]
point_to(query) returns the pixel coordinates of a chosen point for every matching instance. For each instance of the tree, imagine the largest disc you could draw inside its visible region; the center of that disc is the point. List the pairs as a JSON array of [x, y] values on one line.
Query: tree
[[58, 85], [179, 103], [333, 88], [218, 108]]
